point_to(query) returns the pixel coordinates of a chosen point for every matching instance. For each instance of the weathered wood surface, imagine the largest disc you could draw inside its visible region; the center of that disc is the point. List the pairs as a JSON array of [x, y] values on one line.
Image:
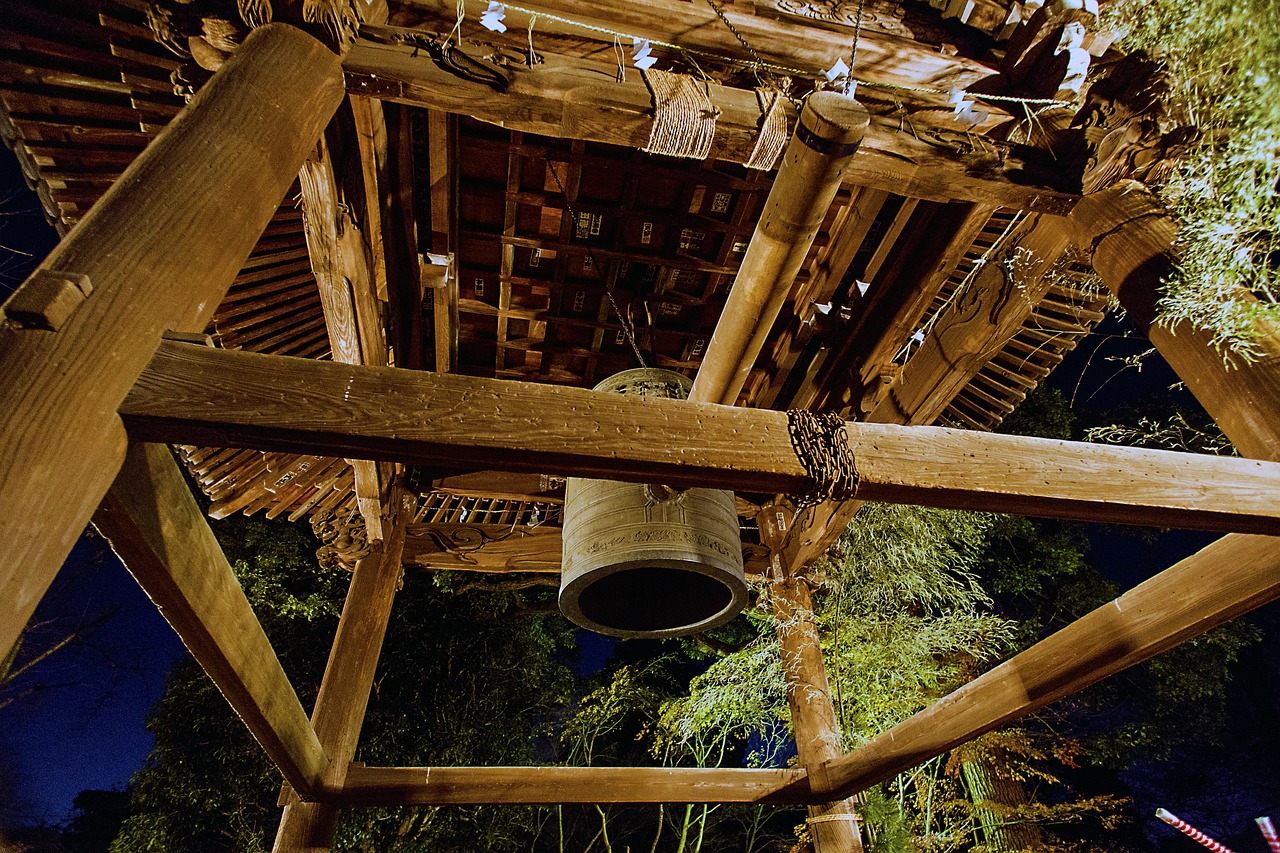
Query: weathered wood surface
[[348, 679], [976, 325], [1230, 577], [371, 786], [581, 99], [342, 264], [158, 531], [828, 133], [834, 825], [159, 249], [1129, 237], [881, 57], [195, 394], [483, 548]]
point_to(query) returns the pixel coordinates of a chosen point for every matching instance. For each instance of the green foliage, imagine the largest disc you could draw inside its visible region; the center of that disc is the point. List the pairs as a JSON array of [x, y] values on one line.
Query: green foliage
[[906, 618], [1224, 60], [462, 680]]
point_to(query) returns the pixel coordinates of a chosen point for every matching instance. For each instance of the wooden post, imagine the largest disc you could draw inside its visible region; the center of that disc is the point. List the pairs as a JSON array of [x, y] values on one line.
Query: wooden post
[[155, 526], [348, 678], [1129, 236], [157, 252], [833, 825], [825, 139]]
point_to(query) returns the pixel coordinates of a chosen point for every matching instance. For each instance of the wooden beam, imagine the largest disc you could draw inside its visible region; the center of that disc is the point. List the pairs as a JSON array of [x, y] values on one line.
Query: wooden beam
[[977, 323], [422, 786], [157, 252], [821, 288], [483, 548], [1129, 237], [1229, 578], [160, 534], [211, 397], [348, 677], [825, 139], [881, 57], [400, 243], [581, 99], [342, 264]]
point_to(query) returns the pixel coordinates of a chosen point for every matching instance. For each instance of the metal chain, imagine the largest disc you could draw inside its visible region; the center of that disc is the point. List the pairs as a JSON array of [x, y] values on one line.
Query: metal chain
[[716, 7], [853, 51], [822, 446], [608, 291]]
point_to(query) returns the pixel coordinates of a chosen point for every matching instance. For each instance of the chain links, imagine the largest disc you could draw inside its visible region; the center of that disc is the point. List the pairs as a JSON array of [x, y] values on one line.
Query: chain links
[[822, 446]]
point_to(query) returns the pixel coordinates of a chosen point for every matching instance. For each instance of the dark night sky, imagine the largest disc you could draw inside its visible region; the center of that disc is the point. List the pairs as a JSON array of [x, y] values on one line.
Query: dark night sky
[[84, 727], [88, 732]]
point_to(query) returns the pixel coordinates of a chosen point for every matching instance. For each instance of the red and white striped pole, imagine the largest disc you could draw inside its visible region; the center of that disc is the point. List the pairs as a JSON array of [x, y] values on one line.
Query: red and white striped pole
[[1269, 833], [1189, 830]]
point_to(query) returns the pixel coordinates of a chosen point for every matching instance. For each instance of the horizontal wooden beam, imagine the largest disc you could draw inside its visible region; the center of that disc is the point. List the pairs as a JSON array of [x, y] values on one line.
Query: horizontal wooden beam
[[157, 529], [1230, 577], [438, 786], [581, 99], [198, 395], [882, 57]]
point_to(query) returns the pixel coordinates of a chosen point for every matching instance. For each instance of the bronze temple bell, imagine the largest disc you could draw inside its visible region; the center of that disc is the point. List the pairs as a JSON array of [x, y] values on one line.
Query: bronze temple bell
[[645, 560]]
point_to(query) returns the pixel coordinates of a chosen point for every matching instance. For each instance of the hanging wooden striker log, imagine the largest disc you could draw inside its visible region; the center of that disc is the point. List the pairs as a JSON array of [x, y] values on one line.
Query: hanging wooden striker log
[[647, 561]]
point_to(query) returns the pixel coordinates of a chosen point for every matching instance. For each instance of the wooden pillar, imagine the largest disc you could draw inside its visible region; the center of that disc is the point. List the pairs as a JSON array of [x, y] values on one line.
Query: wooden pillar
[[825, 139], [834, 825], [1129, 235], [157, 252], [160, 534], [348, 679]]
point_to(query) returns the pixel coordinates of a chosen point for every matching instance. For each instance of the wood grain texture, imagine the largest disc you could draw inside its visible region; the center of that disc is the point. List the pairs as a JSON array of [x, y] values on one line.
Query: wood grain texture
[[976, 325], [1129, 237], [368, 786], [483, 548], [162, 537], [694, 26], [581, 99], [160, 248], [813, 715], [348, 678], [1223, 581], [203, 396], [799, 199], [342, 264]]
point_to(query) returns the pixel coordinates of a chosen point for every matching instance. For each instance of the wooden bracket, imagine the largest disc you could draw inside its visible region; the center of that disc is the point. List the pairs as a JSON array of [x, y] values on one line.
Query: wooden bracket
[[47, 299]]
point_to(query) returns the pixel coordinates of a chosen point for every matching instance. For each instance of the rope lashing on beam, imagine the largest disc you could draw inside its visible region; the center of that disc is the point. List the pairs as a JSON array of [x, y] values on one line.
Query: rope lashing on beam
[[822, 446], [684, 119], [771, 140]]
